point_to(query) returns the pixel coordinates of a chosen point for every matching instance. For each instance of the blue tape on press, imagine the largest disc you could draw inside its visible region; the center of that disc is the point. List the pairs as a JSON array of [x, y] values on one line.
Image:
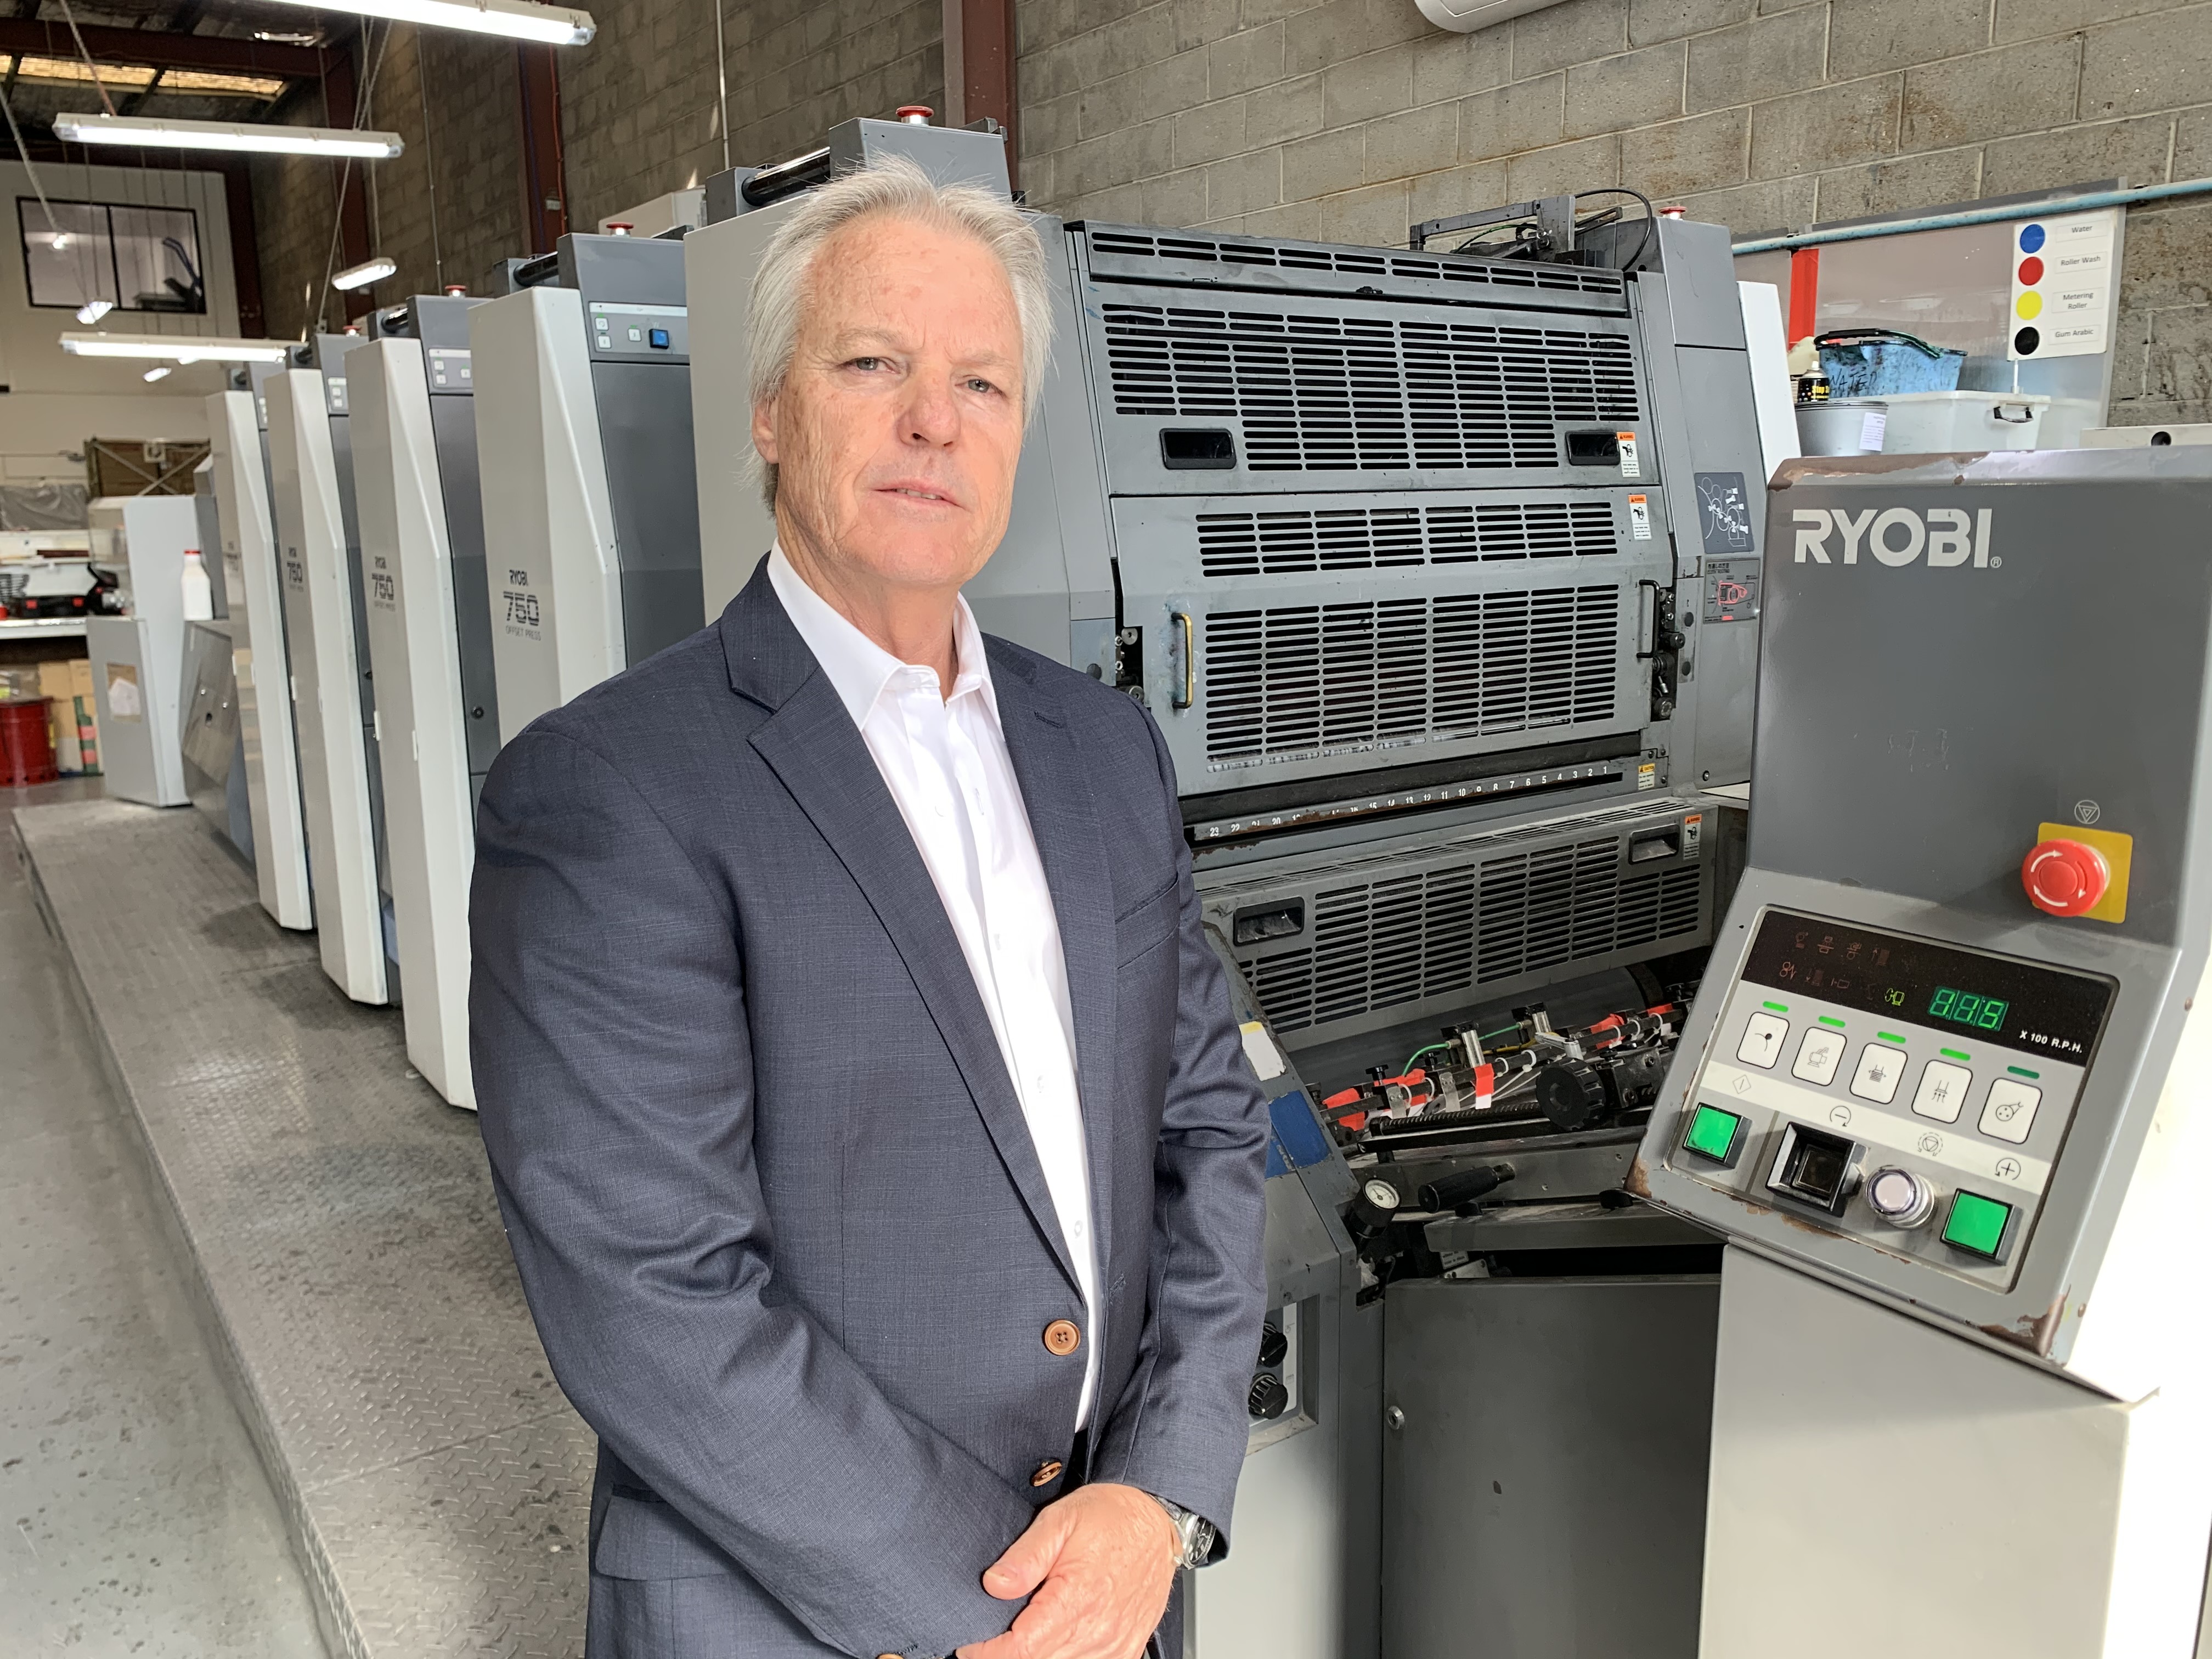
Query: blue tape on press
[[1277, 1165], [1303, 1140]]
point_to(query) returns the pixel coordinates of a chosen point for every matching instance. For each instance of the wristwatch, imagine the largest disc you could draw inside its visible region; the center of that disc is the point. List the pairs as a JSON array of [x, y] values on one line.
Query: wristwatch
[[1196, 1531]]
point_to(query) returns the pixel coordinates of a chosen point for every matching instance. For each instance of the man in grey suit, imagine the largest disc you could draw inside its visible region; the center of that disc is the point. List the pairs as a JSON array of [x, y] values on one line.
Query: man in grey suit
[[864, 1104]]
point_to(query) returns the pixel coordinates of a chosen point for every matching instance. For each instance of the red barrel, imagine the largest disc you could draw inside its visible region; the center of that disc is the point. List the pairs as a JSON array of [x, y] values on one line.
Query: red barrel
[[27, 754]]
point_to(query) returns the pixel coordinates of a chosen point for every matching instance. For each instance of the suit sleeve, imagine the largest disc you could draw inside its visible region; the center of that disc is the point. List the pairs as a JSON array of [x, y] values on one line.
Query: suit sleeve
[[1179, 1429], [614, 1073]]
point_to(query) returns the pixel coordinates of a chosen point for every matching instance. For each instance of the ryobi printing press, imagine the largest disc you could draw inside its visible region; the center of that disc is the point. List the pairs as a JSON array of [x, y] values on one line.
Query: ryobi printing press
[[584, 434], [429, 634], [263, 666], [326, 631], [1944, 1085]]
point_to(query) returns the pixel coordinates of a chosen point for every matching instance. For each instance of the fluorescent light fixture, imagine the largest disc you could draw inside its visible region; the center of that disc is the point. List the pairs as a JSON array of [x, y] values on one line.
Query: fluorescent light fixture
[[152, 374], [176, 347], [93, 310], [369, 271], [61, 240], [164, 132], [519, 19]]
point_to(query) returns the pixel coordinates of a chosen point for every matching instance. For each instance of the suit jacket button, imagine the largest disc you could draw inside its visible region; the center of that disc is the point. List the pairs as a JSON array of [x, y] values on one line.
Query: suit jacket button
[[1046, 1472], [1061, 1337]]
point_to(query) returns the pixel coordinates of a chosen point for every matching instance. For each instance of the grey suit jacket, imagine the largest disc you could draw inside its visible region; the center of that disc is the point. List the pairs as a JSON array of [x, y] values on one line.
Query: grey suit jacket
[[765, 1175]]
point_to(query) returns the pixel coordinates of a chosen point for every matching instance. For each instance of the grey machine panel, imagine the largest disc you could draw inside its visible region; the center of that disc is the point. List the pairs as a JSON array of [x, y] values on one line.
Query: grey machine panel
[[951, 156], [1535, 1507], [1959, 652], [1363, 527], [440, 321], [329, 358], [640, 345]]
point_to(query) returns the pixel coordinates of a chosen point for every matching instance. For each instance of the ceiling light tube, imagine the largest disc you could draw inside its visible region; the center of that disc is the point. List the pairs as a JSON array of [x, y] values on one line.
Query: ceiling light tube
[[369, 271], [152, 374], [93, 310], [519, 19], [176, 347], [163, 132]]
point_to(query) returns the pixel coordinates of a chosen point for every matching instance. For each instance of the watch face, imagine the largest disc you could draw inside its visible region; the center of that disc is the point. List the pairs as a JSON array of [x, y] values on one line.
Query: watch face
[[1201, 1545]]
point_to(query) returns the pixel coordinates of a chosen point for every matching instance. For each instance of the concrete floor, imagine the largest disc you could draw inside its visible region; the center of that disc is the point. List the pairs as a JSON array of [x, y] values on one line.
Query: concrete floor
[[135, 1518]]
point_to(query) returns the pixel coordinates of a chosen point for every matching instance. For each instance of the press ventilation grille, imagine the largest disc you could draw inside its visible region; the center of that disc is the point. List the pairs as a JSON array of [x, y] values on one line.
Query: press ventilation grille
[[1320, 393], [1356, 261], [1382, 538], [1384, 945], [1298, 681]]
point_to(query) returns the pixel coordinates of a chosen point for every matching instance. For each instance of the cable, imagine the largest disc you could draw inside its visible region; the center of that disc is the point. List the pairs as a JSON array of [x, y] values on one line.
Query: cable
[[1644, 243], [430, 156], [91, 68], [1418, 1053], [14, 131]]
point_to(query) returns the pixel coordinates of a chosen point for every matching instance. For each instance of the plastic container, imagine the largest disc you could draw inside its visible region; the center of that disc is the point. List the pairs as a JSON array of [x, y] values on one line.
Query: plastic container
[[199, 590], [1963, 422], [26, 755], [1855, 427], [1884, 362]]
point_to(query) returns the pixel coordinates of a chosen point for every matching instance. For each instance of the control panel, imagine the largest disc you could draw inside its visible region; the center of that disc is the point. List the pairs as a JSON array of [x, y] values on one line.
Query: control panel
[[626, 328], [1908, 1094]]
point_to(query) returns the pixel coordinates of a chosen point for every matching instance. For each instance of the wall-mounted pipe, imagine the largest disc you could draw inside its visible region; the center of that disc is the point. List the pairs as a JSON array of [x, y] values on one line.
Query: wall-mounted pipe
[[1992, 214]]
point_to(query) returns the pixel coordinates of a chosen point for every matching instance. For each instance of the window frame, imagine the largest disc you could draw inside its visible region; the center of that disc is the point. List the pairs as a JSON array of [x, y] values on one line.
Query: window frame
[[23, 234]]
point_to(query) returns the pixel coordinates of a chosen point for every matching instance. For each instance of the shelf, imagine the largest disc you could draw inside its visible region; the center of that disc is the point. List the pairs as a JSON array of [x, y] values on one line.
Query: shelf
[[42, 627]]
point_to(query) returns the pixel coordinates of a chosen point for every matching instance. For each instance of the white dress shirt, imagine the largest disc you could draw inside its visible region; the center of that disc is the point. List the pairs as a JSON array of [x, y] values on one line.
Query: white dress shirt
[[945, 761]]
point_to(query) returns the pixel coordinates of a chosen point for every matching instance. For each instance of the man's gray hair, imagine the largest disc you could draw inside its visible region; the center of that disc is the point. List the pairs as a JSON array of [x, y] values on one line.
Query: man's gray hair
[[895, 188]]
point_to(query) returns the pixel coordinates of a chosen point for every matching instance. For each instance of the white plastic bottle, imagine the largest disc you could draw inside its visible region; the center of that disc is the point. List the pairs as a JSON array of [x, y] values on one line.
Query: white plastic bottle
[[199, 592]]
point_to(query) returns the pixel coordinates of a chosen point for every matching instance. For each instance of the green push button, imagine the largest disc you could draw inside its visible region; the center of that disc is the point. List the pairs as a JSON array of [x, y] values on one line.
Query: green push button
[[1977, 1223], [1712, 1134]]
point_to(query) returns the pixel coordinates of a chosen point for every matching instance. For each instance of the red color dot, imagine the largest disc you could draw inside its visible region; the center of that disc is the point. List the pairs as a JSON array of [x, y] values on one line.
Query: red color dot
[[2031, 272]]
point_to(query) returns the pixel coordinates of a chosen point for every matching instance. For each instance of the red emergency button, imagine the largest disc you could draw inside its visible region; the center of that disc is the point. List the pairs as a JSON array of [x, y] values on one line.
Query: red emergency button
[[2066, 878]]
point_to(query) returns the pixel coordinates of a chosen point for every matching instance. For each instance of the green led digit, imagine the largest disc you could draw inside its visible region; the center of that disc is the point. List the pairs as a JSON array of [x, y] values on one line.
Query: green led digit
[[1969, 1008], [1945, 997], [1993, 1015]]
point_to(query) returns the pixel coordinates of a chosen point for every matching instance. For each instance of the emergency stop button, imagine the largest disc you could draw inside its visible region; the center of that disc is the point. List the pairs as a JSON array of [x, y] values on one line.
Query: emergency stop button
[[2065, 877]]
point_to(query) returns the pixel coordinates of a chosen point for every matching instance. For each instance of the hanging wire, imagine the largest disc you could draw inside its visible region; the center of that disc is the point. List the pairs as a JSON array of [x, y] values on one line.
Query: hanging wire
[[361, 107], [22, 150], [93, 68], [429, 155], [722, 84]]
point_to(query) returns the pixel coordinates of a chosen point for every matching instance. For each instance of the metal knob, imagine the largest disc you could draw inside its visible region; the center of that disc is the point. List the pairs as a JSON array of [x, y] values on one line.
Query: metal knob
[[1901, 1197]]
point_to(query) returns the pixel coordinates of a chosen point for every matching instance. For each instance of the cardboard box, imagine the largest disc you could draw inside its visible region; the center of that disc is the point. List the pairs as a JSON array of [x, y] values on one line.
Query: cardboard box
[[88, 721]]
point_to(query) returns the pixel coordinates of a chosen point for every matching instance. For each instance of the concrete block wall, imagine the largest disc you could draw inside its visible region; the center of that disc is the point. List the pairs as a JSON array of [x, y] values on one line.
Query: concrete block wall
[[1345, 120], [640, 108]]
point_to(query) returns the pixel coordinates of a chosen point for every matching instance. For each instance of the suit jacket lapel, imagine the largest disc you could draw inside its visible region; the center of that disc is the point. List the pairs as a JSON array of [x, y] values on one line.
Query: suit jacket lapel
[[1062, 816], [811, 744]]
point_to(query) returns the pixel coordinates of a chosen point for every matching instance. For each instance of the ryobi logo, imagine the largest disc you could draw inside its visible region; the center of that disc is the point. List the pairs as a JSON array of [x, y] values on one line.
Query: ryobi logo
[[1896, 535]]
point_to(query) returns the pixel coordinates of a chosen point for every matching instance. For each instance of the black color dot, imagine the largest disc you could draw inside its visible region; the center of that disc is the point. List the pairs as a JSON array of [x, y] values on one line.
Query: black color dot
[[2026, 341]]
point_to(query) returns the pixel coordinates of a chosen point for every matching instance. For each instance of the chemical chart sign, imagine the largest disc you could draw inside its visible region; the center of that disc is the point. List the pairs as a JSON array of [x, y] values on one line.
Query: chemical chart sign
[[2063, 271]]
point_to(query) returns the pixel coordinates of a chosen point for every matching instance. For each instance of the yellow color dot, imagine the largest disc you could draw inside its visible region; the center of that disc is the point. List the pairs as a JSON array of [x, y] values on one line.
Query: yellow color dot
[[2030, 304]]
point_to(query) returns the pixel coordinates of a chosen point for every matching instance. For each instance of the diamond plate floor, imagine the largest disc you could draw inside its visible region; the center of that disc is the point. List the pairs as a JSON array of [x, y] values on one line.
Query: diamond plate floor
[[341, 1221]]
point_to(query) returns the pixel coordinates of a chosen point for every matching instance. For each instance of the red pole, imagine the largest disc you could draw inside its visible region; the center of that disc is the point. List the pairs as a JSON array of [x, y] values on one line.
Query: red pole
[[1804, 293]]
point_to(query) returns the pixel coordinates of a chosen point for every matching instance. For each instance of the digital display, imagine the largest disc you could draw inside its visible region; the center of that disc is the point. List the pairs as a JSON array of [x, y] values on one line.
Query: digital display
[[2024, 1005], [1968, 1008]]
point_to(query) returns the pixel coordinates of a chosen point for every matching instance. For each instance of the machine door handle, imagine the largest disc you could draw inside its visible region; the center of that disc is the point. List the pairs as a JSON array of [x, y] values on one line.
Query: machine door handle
[[1185, 690]]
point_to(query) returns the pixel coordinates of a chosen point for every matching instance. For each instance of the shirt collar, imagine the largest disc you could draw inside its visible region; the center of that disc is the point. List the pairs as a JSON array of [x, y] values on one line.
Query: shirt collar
[[859, 668]]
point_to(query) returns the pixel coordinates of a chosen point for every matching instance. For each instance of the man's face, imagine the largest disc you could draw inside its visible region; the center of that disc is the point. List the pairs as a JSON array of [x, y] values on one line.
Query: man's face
[[897, 429]]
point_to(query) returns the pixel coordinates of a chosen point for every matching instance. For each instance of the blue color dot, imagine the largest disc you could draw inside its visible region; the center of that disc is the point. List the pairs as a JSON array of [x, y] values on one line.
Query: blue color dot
[[2030, 238]]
